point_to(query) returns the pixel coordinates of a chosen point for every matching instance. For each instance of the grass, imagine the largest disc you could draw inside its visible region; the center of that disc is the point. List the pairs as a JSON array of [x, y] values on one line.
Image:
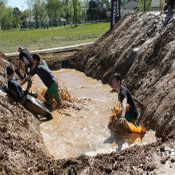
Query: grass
[[53, 37]]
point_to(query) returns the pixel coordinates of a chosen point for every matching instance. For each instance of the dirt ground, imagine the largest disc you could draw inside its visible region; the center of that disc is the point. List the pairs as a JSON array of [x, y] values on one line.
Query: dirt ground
[[146, 61]]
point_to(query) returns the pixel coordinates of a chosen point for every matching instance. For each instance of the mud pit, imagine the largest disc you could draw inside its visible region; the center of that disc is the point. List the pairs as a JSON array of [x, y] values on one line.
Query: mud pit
[[83, 128]]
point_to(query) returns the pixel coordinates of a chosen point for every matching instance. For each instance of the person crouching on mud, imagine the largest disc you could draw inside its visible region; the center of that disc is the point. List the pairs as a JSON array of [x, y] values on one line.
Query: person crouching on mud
[[14, 87], [48, 78], [124, 96]]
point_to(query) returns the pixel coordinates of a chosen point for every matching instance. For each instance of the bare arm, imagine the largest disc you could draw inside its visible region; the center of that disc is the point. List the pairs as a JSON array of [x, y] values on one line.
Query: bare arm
[[25, 80], [124, 104]]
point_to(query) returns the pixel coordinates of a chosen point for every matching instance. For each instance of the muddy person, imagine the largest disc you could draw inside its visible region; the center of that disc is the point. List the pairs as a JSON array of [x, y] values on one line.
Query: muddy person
[[125, 98], [14, 86], [48, 78], [26, 58], [168, 10]]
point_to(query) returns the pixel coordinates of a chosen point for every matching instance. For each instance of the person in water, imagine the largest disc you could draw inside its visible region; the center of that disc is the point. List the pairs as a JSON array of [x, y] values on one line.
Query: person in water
[[21, 95], [125, 97], [48, 78]]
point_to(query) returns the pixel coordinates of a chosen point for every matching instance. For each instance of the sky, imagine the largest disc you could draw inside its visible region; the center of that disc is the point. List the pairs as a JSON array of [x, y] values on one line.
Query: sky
[[17, 3]]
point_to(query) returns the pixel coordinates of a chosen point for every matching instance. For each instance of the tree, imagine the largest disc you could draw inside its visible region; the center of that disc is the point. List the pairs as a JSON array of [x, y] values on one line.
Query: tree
[[66, 12], [36, 14], [16, 17], [43, 14], [24, 16], [93, 13], [75, 14], [71, 11], [6, 22], [79, 12], [30, 4], [144, 5], [53, 8], [85, 6], [98, 9], [2, 9], [76, 18]]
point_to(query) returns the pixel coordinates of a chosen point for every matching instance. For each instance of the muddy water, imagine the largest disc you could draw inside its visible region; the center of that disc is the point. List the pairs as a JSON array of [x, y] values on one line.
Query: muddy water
[[83, 128]]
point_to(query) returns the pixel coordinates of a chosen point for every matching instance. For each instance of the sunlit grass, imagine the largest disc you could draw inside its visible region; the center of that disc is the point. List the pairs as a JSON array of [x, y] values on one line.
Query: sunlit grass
[[53, 37]]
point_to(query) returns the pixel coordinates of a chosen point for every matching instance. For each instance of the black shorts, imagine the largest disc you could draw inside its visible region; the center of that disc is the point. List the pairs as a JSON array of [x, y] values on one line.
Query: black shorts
[[131, 116]]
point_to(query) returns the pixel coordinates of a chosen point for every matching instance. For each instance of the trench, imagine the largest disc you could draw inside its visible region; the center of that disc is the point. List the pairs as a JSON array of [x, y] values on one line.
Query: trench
[[83, 127]]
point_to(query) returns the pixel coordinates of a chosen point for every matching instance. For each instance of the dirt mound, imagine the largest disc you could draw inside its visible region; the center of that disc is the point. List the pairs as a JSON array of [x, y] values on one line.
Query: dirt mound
[[143, 52], [21, 146], [146, 60]]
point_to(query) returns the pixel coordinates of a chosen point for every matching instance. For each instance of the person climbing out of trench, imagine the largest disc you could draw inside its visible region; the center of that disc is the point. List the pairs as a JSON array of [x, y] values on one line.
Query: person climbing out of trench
[[24, 97], [26, 58], [14, 86], [168, 10], [126, 99], [48, 78]]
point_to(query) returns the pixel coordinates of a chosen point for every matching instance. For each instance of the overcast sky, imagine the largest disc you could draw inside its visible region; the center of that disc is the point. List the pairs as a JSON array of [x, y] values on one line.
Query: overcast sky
[[17, 3]]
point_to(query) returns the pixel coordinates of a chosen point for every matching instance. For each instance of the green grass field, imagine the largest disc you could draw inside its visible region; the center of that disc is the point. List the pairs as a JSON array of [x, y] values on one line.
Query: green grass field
[[53, 37]]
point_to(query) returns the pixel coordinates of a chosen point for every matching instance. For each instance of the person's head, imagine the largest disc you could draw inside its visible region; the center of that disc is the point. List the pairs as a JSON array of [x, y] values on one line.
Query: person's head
[[10, 71], [20, 49], [36, 59], [115, 81], [165, 7]]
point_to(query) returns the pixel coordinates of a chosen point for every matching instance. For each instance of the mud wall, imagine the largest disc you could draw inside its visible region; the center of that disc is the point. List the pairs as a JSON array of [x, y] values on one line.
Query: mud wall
[[21, 145], [143, 52]]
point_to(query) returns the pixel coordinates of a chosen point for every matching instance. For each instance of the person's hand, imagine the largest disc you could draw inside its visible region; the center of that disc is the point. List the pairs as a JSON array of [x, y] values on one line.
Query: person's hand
[[122, 119]]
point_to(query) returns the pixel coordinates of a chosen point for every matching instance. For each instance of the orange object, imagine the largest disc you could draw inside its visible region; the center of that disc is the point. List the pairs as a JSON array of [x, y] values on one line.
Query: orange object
[[116, 114], [135, 129]]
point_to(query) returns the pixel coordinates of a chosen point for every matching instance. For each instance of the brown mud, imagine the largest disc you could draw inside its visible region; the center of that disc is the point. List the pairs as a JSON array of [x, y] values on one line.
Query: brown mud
[[83, 127], [143, 52]]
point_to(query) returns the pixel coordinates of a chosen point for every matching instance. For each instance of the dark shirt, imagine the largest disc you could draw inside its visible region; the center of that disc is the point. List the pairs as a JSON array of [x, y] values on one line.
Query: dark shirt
[[124, 93], [15, 89], [43, 71], [170, 3], [26, 57]]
